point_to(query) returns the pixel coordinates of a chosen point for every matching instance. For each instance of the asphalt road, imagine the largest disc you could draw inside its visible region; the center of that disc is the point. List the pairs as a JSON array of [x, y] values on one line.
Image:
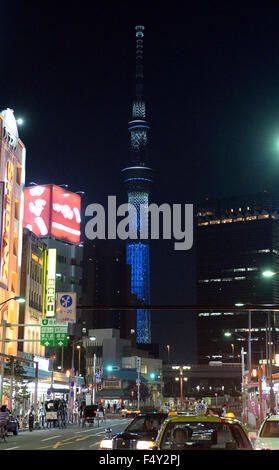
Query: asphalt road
[[71, 438]]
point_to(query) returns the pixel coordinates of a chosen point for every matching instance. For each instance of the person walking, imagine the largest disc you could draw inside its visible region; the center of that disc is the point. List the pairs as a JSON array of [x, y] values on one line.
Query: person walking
[[42, 415], [31, 418], [4, 418]]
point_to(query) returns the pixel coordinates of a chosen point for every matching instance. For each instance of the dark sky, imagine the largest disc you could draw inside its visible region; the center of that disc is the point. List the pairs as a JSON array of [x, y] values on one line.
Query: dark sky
[[212, 90]]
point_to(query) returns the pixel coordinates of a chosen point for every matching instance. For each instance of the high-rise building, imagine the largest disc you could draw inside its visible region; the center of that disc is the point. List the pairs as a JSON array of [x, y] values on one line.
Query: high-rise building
[[12, 179], [107, 281], [138, 179], [32, 287], [237, 241]]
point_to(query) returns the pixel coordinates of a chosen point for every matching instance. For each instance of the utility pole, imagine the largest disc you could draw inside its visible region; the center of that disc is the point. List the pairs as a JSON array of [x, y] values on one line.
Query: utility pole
[[249, 344], [36, 386], [94, 380], [12, 383], [138, 379], [4, 326]]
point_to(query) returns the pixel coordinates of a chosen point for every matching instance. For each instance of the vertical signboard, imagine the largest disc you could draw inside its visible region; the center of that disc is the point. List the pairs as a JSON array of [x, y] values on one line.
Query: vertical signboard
[[6, 237], [2, 195], [50, 283]]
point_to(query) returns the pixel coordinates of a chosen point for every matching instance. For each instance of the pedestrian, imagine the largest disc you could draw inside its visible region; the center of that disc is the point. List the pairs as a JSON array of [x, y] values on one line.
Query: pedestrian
[[4, 419], [31, 418], [108, 407], [42, 415], [114, 408]]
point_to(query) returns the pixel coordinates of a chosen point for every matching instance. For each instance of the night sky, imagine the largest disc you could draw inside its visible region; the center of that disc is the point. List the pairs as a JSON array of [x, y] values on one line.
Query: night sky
[[212, 91]]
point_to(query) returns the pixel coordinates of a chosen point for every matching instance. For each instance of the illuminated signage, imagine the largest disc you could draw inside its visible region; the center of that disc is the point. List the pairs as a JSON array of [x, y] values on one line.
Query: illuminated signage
[[7, 220], [43, 363], [50, 283], [10, 132], [51, 210]]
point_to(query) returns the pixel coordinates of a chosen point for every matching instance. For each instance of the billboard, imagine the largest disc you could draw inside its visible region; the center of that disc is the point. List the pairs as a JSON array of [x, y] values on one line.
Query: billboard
[[52, 211]]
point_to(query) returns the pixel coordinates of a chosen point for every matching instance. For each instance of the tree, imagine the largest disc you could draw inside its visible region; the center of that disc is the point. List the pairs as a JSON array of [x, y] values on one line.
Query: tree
[[20, 392], [144, 391]]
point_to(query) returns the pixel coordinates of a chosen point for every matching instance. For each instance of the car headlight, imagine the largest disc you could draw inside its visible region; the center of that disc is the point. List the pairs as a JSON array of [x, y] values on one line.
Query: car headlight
[[144, 445], [106, 444]]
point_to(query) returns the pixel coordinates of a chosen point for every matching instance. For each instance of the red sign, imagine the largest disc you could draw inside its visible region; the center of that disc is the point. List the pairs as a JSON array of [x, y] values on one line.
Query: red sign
[[254, 407], [51, 210]]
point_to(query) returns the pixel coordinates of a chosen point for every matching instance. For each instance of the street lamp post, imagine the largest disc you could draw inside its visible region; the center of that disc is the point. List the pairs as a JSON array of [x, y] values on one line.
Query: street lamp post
[[180, 378]]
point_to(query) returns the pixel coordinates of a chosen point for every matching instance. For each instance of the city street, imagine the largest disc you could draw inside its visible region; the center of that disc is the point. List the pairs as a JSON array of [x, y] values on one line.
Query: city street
[[71, 438]]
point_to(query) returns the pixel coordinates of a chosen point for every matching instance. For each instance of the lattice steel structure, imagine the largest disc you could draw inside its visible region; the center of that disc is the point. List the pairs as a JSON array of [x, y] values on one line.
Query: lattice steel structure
[[138, 179]]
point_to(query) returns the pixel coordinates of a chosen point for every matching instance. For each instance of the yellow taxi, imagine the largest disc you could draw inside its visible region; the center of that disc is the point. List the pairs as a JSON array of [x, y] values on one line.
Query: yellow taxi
[[129, 413], [202, 432]]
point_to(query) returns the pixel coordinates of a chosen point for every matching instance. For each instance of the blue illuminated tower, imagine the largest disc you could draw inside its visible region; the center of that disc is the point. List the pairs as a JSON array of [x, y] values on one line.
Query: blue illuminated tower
[[138, 178]]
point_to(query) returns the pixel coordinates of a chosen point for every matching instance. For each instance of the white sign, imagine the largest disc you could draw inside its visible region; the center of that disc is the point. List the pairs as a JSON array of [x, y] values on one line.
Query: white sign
[[66, 307], [138, 362], [43, 363]]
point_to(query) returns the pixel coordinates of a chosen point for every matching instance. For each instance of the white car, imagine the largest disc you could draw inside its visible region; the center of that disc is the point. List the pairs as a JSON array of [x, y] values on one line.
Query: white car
[[268, 437]]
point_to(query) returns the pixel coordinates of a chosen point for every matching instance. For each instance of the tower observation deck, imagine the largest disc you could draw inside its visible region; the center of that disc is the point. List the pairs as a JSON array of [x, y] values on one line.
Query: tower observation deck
[[138, 179]]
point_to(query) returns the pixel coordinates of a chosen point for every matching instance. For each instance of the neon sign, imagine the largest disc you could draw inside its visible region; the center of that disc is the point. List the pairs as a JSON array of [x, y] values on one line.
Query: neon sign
[[7, 220]]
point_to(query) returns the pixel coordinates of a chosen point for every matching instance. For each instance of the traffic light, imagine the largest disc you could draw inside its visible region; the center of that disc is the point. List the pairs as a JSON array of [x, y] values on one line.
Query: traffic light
[[110, 367], [152, 375]]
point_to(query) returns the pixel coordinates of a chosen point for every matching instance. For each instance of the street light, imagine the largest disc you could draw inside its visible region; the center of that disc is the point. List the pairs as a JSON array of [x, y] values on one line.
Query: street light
[[20, 121], [268, 273], [79, 349]]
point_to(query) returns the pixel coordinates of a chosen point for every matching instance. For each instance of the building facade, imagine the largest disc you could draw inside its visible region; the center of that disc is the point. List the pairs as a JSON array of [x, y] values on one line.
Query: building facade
[[32, 288], [107, 281], [12, 178], [237, 241]]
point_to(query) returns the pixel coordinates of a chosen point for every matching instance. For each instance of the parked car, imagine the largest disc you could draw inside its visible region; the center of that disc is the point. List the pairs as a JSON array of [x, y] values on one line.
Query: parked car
[[139, 434]]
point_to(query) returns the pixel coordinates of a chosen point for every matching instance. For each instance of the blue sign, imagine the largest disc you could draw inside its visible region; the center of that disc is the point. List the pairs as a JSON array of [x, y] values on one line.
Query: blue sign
[[49, 392], [264, 397], [99, 375], [66, 301], [72, 394], [72, 384]]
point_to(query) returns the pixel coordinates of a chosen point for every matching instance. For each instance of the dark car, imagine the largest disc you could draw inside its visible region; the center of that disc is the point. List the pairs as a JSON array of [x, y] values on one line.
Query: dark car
[[139, 434], [89, 413], [13, 425]]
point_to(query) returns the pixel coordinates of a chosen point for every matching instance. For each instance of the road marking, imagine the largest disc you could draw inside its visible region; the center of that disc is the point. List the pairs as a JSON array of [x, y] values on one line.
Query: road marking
[[10, 448], [57, 445], [82, 438], [95, 444], [48, 438]]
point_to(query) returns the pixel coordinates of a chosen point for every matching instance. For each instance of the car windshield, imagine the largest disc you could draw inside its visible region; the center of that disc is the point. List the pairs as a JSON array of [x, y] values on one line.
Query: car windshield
[[270, 429], [201, 435], [145, 424]]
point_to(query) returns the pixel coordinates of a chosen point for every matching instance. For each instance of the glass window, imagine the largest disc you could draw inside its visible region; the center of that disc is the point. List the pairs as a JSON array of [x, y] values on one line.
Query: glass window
[[203, 436], [270, 429]]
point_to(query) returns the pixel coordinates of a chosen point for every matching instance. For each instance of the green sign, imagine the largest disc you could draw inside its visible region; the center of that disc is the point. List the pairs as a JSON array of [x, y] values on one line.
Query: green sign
[[53, 334]]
